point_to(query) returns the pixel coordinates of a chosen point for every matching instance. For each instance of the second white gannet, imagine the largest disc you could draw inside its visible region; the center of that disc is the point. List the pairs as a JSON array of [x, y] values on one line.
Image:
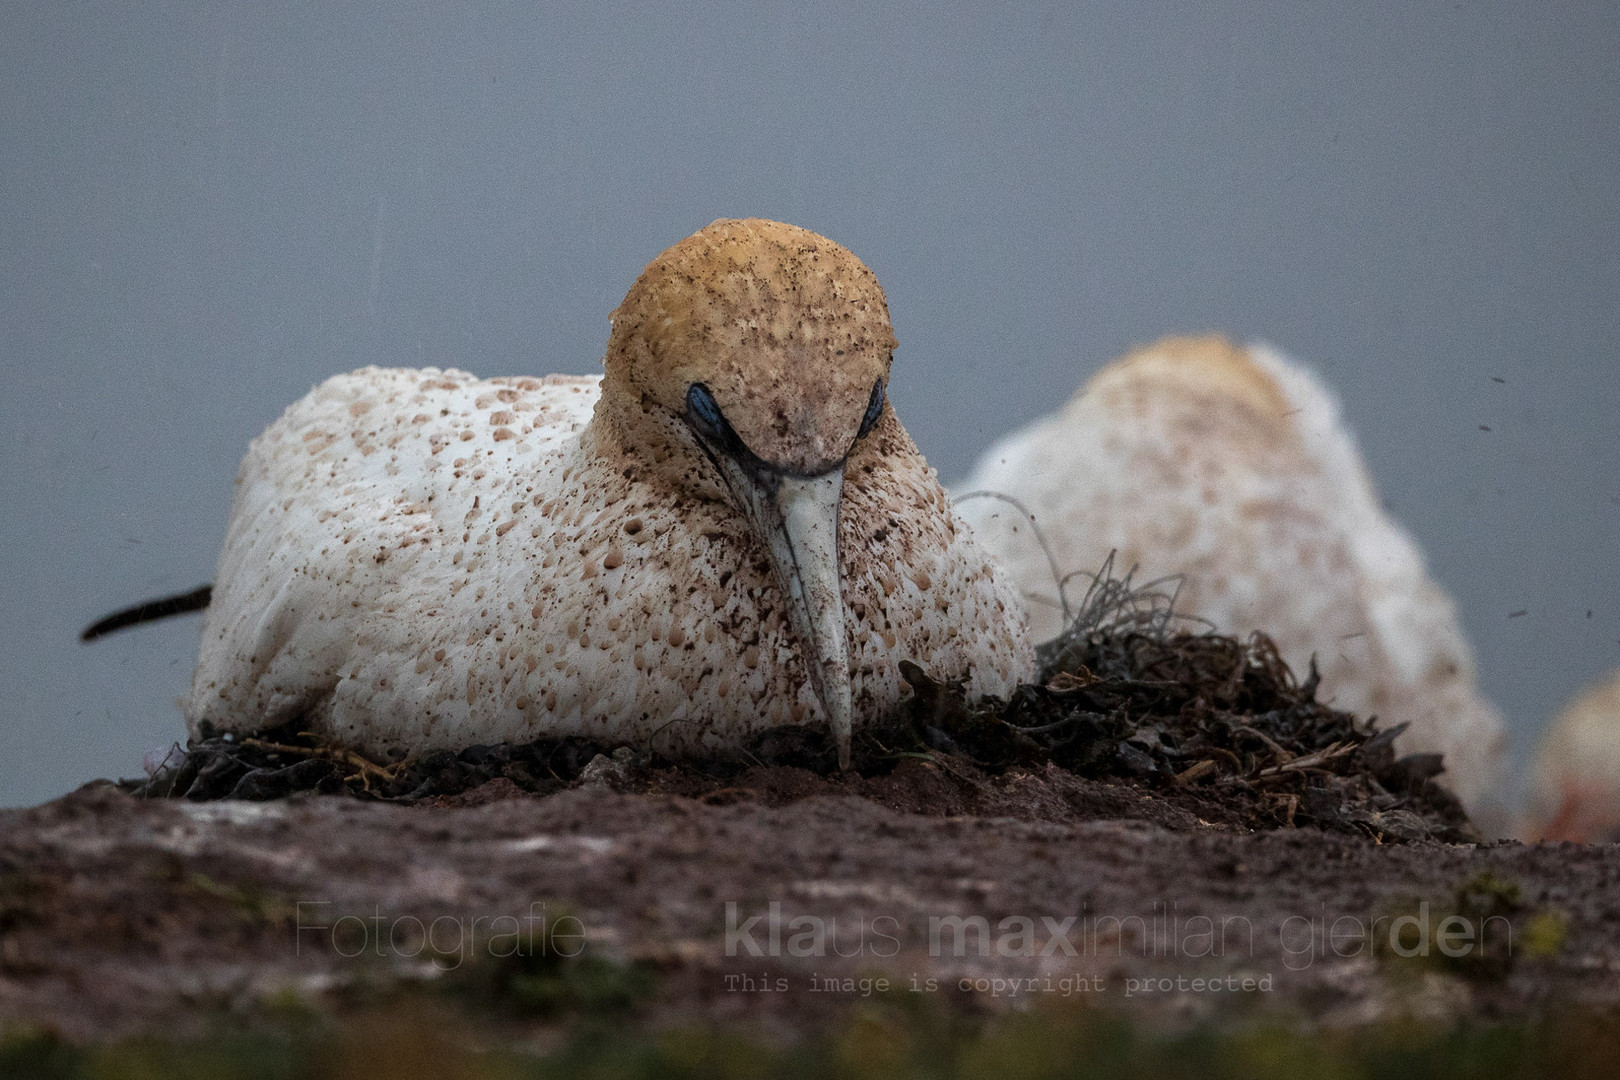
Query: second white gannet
[[729, 531], [1232, 468]]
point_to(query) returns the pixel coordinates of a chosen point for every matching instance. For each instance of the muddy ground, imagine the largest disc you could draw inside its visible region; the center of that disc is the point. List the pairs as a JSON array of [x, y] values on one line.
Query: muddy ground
[[121, 915], [1165, 830]]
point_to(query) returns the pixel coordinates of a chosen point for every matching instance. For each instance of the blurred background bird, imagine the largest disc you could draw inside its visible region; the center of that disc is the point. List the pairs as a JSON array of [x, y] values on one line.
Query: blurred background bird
[[1575, 779], [1231, 470]]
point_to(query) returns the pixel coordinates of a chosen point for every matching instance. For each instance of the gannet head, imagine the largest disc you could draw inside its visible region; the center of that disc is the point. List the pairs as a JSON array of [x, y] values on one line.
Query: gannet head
[[749, 362]]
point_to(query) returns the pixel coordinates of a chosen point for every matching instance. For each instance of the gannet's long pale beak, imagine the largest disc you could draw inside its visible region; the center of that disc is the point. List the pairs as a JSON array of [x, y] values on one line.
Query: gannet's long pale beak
[[797, 516]]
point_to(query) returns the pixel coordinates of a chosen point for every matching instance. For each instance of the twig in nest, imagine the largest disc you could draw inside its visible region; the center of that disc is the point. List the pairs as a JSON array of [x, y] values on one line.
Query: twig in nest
[[1067, 682], [1308, 761], [1119, 606], [1042, 729], [1197, 771], [1271, 743], [347, 757]]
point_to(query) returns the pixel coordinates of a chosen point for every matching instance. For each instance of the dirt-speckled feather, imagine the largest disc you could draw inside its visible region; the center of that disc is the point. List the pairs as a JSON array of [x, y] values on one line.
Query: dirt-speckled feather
[[421, 558]]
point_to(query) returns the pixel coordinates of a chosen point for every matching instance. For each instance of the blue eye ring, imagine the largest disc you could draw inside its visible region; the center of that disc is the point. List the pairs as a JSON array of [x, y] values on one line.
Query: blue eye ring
[[705, 412], [874, 410]]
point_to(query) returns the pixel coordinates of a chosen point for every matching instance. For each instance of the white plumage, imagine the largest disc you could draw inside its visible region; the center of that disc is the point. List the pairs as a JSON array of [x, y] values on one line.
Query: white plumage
[[421, 559], [1232, 468], [1575, 781]]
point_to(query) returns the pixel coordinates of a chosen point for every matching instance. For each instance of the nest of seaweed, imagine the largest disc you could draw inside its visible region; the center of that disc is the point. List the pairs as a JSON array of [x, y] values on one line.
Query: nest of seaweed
[[1129, 695]]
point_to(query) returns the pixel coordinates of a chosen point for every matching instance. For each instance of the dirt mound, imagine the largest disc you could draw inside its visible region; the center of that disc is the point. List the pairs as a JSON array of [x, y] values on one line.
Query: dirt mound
[[121, 917]]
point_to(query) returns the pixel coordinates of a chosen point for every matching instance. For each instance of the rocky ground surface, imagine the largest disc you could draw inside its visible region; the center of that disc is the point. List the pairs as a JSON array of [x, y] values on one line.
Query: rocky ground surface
[[1167, 831], [121, 915]]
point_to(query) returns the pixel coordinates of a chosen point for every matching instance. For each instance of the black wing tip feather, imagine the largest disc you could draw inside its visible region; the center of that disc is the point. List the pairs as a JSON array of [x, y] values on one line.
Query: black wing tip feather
[[150, 611]]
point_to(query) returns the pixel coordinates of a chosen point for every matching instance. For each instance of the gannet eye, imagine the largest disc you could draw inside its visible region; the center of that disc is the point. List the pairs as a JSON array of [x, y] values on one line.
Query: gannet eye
[[704, 413], [874, 410]]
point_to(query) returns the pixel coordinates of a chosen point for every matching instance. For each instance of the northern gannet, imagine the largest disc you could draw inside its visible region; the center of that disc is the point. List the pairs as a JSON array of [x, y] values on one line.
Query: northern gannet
[[1232, 468], [1575, 781], [730, 530]]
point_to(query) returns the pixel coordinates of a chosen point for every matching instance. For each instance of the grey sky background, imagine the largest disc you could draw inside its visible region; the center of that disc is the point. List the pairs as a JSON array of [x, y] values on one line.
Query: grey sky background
[[205, 209]]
